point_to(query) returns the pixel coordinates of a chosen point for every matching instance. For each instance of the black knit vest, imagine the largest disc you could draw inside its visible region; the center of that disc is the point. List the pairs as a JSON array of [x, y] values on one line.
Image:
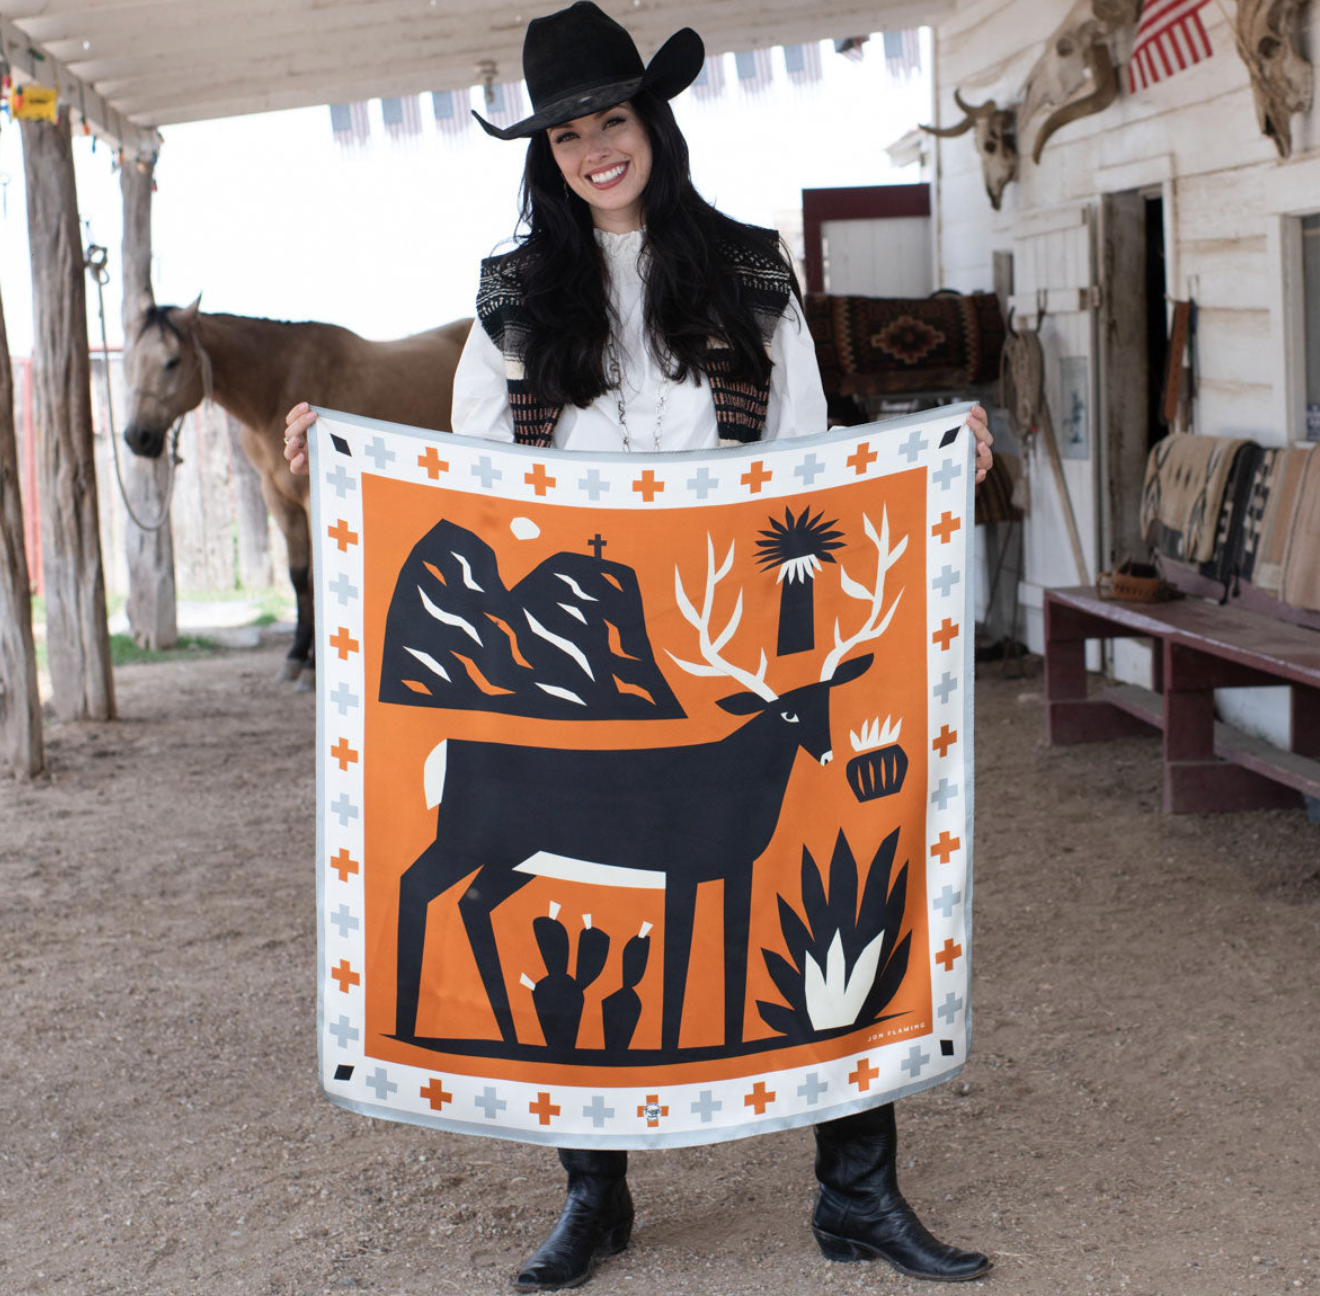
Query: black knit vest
[[740, 407]]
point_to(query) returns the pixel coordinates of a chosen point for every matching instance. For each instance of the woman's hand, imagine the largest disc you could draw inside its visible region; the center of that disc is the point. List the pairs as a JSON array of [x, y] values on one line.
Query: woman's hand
[[296, 423], [980, 430]]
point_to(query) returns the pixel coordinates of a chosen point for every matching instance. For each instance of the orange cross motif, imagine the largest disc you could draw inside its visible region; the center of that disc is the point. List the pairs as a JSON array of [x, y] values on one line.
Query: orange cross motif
[[543, 1109], [759, 1098], [647, 485], [436, 1094], [345, 975], [756, 477], [945, 635], [344, 754], [432, 462], [344, 864], [341, 535], [652, 1110], [945, 846], [947, 737], [343, 643], [862, 458], [864, 1074], [538, 479], [948, 954], [945, 527]]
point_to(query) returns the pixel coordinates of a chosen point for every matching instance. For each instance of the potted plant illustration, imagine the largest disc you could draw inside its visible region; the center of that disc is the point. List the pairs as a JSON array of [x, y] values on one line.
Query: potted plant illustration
[[881, 764]]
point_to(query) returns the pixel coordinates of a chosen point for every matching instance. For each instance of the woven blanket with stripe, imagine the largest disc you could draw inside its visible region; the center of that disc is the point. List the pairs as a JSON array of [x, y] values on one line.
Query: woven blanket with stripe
[[1271, 510], [1301, 564], [1183, 493], [874, 346]]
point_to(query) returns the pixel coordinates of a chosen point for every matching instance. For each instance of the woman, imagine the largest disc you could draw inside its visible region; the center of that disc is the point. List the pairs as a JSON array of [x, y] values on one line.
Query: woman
[[634, 315]]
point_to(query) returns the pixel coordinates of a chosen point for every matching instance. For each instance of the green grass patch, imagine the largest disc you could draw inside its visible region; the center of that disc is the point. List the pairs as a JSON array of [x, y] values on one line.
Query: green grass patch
[[124, 652]]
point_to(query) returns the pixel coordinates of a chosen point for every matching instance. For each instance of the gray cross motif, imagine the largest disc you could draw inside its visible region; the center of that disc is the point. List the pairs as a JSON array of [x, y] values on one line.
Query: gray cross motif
[[948, 473], [343, 589], [706, 1106], [596, 1111], [809, 469], [487, 471], [380, 454], [594, 484], [946, 686], [950, 1008], [343, 809], [946, 899], [945, 581], [341, 481], [344, 919], [944, 794], [913, 446], [490, 1102], [703, 483], [914, 1061], [380, 1082], [344, 1032], [812, 1088], [344, 698]]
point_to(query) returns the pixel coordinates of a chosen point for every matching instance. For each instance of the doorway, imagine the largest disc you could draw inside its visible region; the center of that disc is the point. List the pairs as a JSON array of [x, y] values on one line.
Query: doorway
[[1134, 346]]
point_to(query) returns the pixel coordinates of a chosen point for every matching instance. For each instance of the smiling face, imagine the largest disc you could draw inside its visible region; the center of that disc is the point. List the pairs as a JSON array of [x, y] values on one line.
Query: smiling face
[[605, 159]]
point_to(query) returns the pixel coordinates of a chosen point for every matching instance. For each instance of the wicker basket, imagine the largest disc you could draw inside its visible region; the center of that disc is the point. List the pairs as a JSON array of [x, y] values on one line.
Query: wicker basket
[[1134, 582]]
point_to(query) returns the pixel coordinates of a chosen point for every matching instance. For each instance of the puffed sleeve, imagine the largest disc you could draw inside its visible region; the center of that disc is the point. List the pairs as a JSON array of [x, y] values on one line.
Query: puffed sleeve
[[481, 393], [797, 400]]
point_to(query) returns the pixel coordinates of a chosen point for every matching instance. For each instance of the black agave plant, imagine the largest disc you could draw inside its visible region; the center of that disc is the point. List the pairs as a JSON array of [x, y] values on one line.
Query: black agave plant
[[845, 961]]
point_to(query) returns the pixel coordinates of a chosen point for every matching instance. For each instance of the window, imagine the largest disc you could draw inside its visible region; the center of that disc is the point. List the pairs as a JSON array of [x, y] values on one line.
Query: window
[[1311, 308]]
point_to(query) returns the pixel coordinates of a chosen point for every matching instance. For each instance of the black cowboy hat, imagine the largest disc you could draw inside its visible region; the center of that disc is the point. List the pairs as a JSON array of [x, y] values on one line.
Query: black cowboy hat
[[579, 61]]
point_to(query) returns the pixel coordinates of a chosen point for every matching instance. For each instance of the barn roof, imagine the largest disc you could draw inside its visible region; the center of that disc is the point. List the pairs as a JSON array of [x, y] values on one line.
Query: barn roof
[[130, 66]]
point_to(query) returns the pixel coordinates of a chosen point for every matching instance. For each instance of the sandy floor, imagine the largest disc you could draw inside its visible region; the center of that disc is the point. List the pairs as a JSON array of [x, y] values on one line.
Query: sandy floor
[[1139, 1115]]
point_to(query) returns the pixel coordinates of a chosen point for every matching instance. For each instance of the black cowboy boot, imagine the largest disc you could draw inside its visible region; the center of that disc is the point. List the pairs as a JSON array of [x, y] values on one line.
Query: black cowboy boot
[[861, 1215], [596, 1222]]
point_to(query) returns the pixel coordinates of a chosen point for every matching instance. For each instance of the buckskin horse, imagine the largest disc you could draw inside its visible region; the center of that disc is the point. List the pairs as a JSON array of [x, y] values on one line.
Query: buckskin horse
[[257, 369]]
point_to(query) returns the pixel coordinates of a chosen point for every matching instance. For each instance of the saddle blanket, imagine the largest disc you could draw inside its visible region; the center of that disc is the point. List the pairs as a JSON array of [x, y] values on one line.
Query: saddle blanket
[[644, 781]]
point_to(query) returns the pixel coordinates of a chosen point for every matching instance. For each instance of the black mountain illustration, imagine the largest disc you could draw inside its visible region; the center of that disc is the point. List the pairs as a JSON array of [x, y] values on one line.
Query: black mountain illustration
[[568, 642]]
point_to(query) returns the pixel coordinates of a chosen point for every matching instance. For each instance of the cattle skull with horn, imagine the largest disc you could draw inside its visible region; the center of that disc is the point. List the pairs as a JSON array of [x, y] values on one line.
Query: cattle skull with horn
[[1281, 80], [1075, 76], [996, 142]]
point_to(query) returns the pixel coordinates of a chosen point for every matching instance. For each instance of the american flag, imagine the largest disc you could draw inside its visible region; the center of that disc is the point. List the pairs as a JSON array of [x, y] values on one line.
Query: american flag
[[1170, 37]]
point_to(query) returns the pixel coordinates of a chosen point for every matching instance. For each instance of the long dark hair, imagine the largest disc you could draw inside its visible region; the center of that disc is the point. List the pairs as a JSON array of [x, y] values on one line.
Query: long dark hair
[[691, 293]]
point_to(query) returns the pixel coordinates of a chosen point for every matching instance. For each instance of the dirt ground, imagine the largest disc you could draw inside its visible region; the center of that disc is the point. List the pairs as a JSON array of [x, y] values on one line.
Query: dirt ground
[[1139, 1114]]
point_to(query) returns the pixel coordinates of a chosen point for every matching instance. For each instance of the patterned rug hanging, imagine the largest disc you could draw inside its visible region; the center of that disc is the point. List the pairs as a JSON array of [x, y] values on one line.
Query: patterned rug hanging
[[644, 781]]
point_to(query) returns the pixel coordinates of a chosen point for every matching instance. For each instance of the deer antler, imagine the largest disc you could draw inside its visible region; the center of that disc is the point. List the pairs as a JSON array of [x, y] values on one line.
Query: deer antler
[[875, 624], [715, 664]]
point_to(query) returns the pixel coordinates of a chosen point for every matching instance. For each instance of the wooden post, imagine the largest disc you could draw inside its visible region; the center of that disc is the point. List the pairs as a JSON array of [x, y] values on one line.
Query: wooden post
[[21, 746], [77, 636], [254, 569], [152, 611]]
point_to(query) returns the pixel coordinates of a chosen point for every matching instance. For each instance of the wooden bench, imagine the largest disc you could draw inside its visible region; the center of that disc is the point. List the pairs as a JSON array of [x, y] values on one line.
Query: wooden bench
[[1198, 646]]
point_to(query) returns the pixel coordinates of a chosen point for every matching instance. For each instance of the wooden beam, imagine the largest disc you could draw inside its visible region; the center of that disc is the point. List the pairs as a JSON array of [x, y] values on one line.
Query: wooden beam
[[22, 749], [155, 62], [77, 636], [152, 604], [29, 63]]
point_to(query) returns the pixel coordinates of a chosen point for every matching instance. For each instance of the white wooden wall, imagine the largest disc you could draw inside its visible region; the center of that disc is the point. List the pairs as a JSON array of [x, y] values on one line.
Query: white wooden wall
[[1231, 241], [878, 258]]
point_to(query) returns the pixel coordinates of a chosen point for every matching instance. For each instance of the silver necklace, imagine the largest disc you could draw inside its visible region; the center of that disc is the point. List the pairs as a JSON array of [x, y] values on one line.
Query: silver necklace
[[616, 382]]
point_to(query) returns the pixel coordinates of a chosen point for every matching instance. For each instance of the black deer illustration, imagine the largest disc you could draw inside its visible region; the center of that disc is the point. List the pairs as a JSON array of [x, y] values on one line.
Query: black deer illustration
[[670, 817]]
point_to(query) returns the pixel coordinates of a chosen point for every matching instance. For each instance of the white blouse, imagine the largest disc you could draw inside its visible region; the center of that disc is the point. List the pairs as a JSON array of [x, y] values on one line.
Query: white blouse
[[797, 402]]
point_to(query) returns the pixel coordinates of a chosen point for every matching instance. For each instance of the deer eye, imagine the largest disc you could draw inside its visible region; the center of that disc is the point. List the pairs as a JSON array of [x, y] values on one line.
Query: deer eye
[[790, 716], [172, 362]]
